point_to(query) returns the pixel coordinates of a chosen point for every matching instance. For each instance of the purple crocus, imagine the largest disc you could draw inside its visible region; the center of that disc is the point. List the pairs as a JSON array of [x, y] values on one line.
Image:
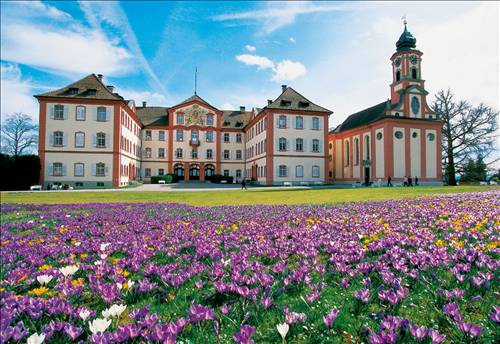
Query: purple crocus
[[471, 329], [243, 336], [418, 332], [452, 310], [495, 315], [436, 337], [199, 313], [330, 317], [266, 302], [363, 295], [72, 332]]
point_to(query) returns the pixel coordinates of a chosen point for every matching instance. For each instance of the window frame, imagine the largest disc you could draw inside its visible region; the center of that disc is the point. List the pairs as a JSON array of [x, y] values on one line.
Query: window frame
[[160, 134], [211, 153], [224, 154], [100, 136], [282, 122], [239, 138], [99, 119], [60, 169], [76, 140], [181, 117], [315, 168], [282, 140], [161, 149], [239, 154], [148, 135], [56, 133], [301, 144], [146, 174], [84, 112], [58, 107], [280, 170], [315, 142], [297, 118], [98, 166], [177, 151], [179, 135], [226, 135], [315, 123], [83, 169], [301, 169]]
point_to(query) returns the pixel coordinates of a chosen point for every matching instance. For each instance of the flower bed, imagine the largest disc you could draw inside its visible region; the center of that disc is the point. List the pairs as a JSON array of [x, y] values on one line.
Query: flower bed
[[423, 270]]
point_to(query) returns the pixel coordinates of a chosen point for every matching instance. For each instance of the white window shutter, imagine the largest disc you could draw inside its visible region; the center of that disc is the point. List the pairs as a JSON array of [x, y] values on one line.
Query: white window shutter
[[65, 139], [287, 121], [94, 140], [51, 169], [320, 146], [277, 121], [107, 114], [94, 170], [304, 145], [51, 111], [106, 170], [277, 171], [51, 139], [288, 171], [94, 113], [106, 140], [65, 112], [63, 169]]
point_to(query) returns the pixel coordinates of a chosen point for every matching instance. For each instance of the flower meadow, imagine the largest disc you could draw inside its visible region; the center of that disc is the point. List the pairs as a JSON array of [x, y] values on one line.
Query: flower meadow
[[408, 271]]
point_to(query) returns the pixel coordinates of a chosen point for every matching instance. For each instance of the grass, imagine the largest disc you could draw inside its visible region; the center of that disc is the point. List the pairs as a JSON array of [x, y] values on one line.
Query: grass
[[239, 197]]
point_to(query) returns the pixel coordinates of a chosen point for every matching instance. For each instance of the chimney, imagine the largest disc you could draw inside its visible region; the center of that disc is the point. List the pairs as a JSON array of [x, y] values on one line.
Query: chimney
[[269, 101], [110, 88], [99, 76], [242, 109], [283, 88], [143, 104]]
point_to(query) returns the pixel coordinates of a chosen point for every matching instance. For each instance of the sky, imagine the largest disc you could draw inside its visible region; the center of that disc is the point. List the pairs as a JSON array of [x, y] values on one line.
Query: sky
[[336, 54]]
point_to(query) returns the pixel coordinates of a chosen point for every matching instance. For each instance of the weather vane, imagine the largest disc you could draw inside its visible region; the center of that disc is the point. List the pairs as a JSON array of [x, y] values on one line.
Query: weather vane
[[195, 79]]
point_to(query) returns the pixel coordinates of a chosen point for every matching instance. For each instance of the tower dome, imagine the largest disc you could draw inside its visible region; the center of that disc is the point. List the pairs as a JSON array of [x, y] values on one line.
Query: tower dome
[[406, 41]]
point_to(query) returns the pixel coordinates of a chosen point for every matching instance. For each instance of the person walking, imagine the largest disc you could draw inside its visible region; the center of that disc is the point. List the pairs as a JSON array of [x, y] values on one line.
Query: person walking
[[410, 181], [389, 181], [405, 181], [243, 184], [416, 181]]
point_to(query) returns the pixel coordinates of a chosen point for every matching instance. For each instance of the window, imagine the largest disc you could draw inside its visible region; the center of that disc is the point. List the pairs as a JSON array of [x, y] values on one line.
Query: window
[[299, 122], [299, 171], [78, 184], [238, 154], [299, 145], [209, 136], [226, 173], [161, 135], [282, 122], [57, 169], [315, 147], [79, 139], [367, 147], [80, 113], [180, 119], [209, 154], [148, 153], [238, 138], [79, 169], [194, 136], [194, 154], [58, 138], [179, 135], [356, 151], [100, 184], [58, 111], [431, 136], [414, 135], [101, 140], [238, 173], [398, 75], [178, 153], [414, 73], [282, 171], [346, 153], [147, 172], [315, 171], [161, 171], [149, 135], [226, 154], [226, 137], [379, 136], [101, 114], [315, 123], [282, 144], [100, 169], [161, 152], [210, 120], [398, 134]]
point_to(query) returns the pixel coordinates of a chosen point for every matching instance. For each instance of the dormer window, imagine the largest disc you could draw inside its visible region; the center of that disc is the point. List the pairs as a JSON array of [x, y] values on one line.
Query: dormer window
[[239, 124], [226, 123], [91, 91], [73, 90], [285, 103], [303, 104]]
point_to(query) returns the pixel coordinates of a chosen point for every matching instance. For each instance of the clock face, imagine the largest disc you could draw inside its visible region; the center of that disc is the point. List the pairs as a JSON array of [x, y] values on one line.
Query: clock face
[[398, 62], [413, 59]]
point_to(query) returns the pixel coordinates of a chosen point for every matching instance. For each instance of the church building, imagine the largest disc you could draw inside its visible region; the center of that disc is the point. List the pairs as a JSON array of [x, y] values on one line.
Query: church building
[[397, 138]]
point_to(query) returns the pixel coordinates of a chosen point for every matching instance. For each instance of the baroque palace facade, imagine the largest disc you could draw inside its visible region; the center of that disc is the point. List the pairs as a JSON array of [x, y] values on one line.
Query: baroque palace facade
[[92, 137]]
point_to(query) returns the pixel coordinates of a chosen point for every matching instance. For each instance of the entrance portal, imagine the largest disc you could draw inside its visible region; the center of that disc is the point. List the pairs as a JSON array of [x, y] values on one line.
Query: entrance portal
[[194, 172], [209, 172], [367, 176], [179, 171]]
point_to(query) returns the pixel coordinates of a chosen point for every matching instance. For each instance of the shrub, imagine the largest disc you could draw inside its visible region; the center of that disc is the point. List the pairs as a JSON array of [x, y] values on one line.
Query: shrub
[[168, 178]]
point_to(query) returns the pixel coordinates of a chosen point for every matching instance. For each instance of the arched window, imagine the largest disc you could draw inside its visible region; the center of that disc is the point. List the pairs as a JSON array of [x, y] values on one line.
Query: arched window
[[282, 122], [315, 171], [414, 73], [367, 147], [101, 140], [346, 153], [299, 145], [178, 153], [398, 75], [356, 151], [282, 144]]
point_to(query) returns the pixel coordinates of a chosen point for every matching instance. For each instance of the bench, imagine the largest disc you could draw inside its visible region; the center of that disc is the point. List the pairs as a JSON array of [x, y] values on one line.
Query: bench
[[287, 184], [35, 187], [161, 181]]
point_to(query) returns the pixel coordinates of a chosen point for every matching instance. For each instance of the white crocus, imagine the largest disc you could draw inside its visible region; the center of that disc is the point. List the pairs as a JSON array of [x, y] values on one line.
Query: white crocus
[[36, 338], [130, 284], [77, 243], [99, 325], [44, 279], [119, 286], [104, 246], [114, 311], [69, 270], [84, 314], [104, 256], [283, 330]]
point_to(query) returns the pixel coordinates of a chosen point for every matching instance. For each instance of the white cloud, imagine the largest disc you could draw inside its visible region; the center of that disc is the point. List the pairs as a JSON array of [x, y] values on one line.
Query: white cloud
[[276, 15], [261, 62], [287, 70], [250, 48], [16, 93], [35, 9], [292, 40], [151, 98], [227, 106]]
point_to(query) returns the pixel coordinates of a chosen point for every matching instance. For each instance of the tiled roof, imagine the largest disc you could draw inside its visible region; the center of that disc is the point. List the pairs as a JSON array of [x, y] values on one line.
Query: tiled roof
[[293, 100], [153, 115], [235, 119], [193, 98], [83, 89], [363, 117]]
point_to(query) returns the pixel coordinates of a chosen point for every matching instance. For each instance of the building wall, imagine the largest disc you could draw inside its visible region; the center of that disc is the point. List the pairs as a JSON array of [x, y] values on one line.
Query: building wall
[[338, 159], [415, 154], [399, 153], [292, 163], [379, 153], [431, 154]]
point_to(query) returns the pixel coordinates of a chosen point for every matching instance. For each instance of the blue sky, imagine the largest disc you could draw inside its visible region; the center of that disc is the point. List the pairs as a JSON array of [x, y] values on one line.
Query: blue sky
[[334, 53]]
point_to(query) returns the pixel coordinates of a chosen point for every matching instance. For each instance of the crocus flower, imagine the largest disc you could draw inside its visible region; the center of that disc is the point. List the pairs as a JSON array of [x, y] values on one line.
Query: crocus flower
[[436, 337], [72, 331], [471, 329], [243, 336], [418, 332], [36, 338], [329, 318], [363, 295], [283, 330], [114, 311], [84, 314], [495, 314], [99, 325], [44, 279], [69, 270]]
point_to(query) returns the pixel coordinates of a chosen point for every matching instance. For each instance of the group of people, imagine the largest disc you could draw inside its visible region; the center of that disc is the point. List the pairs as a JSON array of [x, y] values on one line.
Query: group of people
[[407, 181]]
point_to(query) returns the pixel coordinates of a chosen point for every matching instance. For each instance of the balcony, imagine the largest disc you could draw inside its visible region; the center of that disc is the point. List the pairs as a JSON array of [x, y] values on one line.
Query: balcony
[[194, 142]]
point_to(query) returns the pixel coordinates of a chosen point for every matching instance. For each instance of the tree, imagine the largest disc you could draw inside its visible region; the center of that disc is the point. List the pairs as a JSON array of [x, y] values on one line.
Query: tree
[[474, 170], [468, 131], [19, 134]]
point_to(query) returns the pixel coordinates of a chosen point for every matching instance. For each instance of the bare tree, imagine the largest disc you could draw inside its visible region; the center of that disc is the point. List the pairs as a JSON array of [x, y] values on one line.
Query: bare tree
[[19, 134], [468, 131]]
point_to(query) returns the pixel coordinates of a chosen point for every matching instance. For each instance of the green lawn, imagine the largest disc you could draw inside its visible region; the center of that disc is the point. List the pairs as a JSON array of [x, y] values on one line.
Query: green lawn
[[239, 197]]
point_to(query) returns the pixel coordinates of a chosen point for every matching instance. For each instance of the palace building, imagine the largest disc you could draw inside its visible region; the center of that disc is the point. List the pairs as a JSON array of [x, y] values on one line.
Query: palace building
[[91, 137]]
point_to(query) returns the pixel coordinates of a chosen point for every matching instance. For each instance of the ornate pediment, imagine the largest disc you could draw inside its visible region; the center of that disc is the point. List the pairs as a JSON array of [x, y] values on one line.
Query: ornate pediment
[[196, 115]]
